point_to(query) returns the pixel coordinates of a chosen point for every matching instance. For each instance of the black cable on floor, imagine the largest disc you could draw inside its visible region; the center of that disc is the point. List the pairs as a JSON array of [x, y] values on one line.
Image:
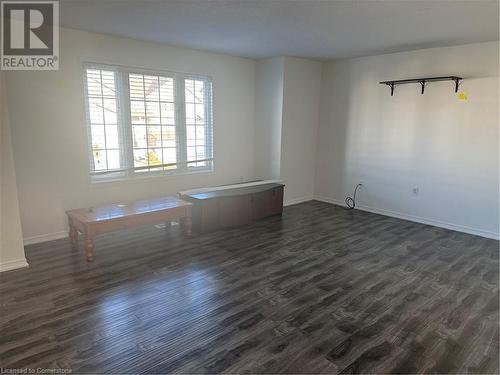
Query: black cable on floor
[[351, 202]]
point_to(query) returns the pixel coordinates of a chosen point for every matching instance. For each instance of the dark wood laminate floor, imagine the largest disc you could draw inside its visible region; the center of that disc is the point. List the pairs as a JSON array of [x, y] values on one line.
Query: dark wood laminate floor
[[320, 290]]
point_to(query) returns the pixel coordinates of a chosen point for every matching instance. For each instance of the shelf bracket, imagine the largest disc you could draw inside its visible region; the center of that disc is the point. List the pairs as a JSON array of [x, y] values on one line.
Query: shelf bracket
[[392, 88], [423, 86], [457, 80]]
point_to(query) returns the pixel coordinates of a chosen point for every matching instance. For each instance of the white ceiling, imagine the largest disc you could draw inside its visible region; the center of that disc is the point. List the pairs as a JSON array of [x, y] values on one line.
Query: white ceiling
[[319, 29]]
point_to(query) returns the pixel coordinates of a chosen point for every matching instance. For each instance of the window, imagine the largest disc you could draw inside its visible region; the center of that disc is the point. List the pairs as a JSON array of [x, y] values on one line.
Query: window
[[103, 120], [145, 123]]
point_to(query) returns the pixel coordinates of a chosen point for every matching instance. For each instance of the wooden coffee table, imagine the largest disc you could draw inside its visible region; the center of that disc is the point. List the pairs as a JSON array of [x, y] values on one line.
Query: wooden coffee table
[[98, 220]]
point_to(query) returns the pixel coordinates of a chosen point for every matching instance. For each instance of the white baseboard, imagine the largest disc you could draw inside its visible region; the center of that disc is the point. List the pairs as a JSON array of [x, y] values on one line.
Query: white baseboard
[[460, 228], [44, 237], [417, 219], [291, 202], [334, 201], [13, 265], [58, 235]]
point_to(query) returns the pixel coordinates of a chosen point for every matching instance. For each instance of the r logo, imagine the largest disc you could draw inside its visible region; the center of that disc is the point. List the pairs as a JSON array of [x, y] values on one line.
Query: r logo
[[30, 29]]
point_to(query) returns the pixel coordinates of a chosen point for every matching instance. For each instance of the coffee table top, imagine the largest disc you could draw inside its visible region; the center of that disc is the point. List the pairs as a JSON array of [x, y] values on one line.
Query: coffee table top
[[116, 211]]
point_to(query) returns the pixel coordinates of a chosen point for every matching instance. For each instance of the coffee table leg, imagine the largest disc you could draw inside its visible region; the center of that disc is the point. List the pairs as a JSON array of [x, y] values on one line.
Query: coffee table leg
[[73, 235], [187, 226], [90, 248]]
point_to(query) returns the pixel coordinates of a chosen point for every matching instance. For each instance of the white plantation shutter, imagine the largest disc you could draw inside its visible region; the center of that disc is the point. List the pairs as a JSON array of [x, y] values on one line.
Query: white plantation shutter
[[198, 122], [154, 122], [103, 117], [142, 123]]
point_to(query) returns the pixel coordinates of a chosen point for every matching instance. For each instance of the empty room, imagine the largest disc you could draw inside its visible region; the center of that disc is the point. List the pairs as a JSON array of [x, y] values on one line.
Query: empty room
[[249, 187]]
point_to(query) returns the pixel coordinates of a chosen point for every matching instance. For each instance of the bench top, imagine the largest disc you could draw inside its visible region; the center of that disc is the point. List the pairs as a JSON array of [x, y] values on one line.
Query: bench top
[[116, 211], [230, 191]]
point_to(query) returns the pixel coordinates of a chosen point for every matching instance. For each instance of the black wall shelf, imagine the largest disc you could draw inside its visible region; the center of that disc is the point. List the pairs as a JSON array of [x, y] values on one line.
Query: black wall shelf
[[422, 81]]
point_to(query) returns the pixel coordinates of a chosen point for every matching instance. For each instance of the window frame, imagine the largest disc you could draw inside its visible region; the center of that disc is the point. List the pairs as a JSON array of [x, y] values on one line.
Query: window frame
[[125, 134]]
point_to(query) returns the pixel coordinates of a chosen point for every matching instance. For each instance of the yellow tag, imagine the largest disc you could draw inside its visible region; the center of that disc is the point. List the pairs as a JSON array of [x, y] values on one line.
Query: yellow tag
[[462, 95]]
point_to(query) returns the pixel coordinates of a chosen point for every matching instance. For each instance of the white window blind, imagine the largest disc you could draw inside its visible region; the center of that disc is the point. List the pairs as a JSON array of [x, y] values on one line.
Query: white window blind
[[102, 117], [147, 123]]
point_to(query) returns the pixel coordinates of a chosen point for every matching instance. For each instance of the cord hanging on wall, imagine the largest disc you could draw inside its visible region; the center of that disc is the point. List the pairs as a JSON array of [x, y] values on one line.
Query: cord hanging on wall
[[351, 201], [422, 81]]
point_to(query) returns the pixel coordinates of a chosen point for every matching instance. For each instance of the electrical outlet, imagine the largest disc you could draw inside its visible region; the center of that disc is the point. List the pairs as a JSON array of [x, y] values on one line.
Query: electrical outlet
[[415, 191]]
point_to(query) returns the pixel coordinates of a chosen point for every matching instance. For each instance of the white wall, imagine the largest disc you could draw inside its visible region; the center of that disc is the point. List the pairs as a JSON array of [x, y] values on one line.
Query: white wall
[[320, 127], [50, 140], [445, 147], [11, 244], [287, 115], [301, 102], [268, 117]]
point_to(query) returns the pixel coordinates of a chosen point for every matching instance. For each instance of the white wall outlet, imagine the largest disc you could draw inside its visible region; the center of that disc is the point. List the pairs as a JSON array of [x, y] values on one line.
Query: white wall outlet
[[414, 191]]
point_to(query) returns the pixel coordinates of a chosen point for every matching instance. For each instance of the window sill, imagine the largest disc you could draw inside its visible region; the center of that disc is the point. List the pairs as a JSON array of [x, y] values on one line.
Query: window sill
[[137, 178]]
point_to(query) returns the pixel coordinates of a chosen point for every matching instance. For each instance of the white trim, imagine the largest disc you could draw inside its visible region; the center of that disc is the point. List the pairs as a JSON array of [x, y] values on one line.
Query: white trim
[[291, 202], [334, 201], [63, 234], [13, 265], [44, 237], [127, 170], [417, 219], [460, 228]]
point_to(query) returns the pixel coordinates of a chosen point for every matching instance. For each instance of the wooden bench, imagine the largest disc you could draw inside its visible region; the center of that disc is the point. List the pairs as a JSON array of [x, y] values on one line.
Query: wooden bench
[[233, 205], [98, 220]]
